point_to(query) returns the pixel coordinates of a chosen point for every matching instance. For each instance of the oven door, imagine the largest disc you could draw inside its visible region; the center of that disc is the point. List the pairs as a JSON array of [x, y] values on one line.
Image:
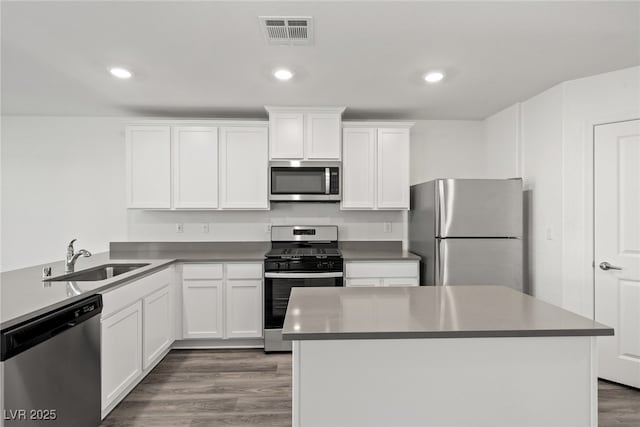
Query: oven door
[[277, 288]]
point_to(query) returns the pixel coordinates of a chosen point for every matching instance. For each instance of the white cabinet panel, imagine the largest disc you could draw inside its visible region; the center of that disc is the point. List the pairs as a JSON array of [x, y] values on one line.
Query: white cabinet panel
[[158, 324], [121, 352], [322, 139], [286, 135], [203, 271], [382, 269], [195, 167], [400, 281], [393, 168], [363, 282], [244, 168], [244, 308], [148, 167], [202, 308], [244, 271], [358, 168]]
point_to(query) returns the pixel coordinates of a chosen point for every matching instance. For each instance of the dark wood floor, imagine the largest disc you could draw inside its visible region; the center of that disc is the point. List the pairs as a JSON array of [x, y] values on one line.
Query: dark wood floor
[[197, 388]]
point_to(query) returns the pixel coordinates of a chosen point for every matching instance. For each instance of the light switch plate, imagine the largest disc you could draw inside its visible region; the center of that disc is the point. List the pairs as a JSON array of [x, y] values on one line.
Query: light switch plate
[[387, 227], [179, 227], [205, 228]]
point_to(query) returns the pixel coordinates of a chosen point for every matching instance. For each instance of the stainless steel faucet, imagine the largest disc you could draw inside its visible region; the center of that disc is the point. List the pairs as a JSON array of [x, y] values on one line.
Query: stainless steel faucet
[[72, 256]]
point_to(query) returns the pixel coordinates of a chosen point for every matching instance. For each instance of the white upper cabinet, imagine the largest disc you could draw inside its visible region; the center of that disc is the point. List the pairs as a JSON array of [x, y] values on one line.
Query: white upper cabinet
[[195, 167], [209, 165], [244, 168], [359, 168], [376, 165], [322, 135], [304, 133], [393, 168], [148, 164], [286, 131]]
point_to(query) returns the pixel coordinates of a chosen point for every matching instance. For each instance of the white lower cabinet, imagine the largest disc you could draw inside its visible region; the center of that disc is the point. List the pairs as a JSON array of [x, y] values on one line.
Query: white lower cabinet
[[137, 329], [121, 352], [244, 318], [202, 308], [222, 300], [382, 273], [157, 313]]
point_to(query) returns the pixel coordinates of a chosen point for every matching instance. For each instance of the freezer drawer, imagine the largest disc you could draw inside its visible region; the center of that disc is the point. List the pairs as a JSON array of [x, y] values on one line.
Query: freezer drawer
[[479, 208], [479, 262]]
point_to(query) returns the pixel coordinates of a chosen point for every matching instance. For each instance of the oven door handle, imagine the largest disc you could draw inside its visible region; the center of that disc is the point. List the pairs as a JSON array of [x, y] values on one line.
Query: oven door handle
[[302, 275]]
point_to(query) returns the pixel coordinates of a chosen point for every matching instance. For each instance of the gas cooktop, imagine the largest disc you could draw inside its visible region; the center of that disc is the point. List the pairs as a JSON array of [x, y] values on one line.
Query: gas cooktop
[[297, 252]]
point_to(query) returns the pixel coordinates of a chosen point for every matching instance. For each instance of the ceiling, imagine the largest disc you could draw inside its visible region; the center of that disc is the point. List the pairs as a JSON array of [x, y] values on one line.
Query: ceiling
[[210, 59]]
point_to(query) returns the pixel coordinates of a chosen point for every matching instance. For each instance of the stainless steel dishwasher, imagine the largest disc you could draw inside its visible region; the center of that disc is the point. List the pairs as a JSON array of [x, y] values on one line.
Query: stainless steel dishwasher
[[51, 368]]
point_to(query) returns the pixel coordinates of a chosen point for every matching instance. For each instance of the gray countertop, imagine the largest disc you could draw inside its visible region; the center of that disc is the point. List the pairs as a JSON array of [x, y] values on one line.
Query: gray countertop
[[375, 251], [427, 312], [23, 294]]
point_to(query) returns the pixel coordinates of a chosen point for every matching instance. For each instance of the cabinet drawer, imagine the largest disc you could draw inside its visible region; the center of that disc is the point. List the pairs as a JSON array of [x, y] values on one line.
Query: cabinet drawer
[[382, 269], [353, 283], [202, 271], [400, 281], [244, 271]]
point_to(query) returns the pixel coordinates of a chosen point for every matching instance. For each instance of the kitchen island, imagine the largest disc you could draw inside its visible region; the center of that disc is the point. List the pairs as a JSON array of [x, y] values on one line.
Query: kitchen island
[[439, 356]]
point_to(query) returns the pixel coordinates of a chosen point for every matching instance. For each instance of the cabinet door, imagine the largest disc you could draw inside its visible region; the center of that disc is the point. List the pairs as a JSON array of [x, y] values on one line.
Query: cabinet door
[[202, 308], [157, 314], [148, 163], [244, 174], [322, 136], [286, 135], [359, 168], [195, 167], [393, 168], [121, 352], [244, 308]]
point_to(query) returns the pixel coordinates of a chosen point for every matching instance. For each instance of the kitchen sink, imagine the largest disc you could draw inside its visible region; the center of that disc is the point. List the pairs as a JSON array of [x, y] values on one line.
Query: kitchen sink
[[101, 272]]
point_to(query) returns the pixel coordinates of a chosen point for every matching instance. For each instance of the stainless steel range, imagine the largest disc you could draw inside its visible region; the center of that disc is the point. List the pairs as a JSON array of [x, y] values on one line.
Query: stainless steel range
[[300, 256]]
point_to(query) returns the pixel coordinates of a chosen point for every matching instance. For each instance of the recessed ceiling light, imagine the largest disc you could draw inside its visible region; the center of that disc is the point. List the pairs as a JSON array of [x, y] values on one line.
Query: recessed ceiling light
[[283, 74], [120, 73], [434, 76]]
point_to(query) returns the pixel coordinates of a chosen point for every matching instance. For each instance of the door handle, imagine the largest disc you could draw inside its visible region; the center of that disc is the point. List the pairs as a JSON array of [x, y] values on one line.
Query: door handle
[[606, 266]]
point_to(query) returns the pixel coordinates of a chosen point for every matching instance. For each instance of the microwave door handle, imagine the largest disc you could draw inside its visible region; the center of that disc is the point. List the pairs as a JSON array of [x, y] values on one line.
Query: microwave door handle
[[327, 180]]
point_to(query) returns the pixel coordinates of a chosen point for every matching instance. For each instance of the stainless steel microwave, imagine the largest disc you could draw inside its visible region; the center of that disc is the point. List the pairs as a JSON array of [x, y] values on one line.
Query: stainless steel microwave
[[304, 181]]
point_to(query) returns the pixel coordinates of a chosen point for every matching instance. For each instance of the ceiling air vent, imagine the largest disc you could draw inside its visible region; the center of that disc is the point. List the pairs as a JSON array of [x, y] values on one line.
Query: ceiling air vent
[[289, 30]]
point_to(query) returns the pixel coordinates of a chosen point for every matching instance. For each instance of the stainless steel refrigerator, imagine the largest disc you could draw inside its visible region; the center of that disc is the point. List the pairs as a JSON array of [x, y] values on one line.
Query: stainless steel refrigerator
[[468, 231]]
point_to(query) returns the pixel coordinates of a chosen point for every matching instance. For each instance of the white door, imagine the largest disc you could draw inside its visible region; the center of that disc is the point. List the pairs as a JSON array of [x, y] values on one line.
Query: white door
[[322, 136], [393, 168], [157, 324], [359, 168], [195, 167], [244, 175], [148, 163], [244, 308], [286, 135], [202, 309], [617, 242], [121, 350]]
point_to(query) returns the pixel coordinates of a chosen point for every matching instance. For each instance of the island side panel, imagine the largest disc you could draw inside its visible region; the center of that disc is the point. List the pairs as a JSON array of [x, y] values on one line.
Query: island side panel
[[484, 382]]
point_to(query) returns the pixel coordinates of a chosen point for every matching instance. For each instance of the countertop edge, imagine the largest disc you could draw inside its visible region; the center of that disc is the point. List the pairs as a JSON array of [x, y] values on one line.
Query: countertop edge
[[322, 336]]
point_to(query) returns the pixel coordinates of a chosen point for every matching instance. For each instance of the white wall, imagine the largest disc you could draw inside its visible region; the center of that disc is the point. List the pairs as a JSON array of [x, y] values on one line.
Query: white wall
[[542, 172], [61, 178], [447, 149], [556, 146], [253, 226], [502, 142]]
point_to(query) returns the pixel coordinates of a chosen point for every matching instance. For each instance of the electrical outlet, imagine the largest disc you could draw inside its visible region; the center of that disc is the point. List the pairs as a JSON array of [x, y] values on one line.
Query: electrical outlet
[[205, 228], [387, 227], [267, 228], [179, 227]]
